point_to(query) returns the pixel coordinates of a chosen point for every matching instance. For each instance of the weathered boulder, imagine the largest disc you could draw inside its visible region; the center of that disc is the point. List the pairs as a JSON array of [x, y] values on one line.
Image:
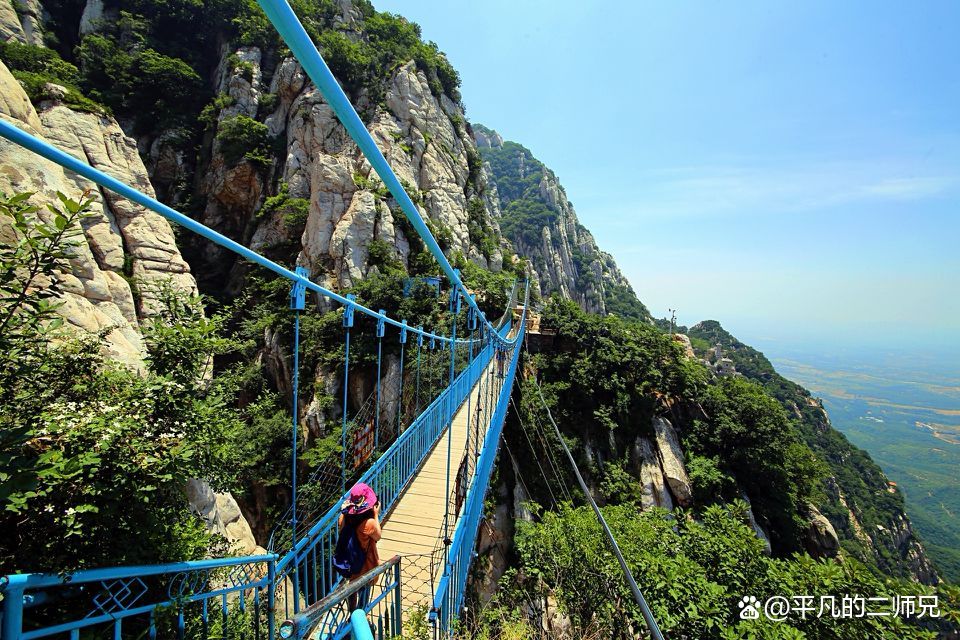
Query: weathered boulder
[[671, 461], [685, 343], [821, 540], [654, 492], [222, 516]]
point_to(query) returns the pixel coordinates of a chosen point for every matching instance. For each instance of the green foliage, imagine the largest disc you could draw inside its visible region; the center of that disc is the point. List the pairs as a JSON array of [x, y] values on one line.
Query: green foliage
[[861, 481], [692, 573], [243, 138], [36, 67], [621, 300], [95, 456], [41, 60], [268, 103], [749, 433], [208, 116], [479, 228], [156, 89], [609, 372], [383, 255], [710, 483], [293, 210], [244, 68]]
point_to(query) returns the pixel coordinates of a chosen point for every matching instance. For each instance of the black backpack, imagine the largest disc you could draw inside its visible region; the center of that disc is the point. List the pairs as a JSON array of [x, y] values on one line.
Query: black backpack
[[349, 555]]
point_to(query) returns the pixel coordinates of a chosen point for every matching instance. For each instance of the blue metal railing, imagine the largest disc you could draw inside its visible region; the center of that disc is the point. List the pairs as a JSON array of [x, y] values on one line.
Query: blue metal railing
[[182, 599], [309, 561], [450, 591], [376, 594]]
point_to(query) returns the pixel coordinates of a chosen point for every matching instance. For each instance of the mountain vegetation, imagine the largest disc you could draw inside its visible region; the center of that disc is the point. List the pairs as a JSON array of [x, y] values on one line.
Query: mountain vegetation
[[95, 454], [871, 503], [532, 204]]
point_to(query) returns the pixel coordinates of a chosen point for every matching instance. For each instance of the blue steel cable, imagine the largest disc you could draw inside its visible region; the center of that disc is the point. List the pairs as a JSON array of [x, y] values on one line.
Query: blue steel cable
[[403, 348], [347, 324], [416, 411], [627, 573], [376, 415], [455, 310]]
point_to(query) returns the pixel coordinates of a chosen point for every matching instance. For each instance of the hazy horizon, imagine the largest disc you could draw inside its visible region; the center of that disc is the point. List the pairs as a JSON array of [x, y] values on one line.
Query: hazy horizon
[[789, 170]]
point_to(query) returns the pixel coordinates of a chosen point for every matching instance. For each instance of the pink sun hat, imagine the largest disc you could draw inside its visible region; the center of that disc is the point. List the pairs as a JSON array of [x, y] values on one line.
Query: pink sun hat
[[362, 498]]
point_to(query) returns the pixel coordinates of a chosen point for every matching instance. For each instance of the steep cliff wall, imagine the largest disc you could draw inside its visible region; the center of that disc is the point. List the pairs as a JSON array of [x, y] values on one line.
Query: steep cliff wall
[[128, 254], [540, 222]]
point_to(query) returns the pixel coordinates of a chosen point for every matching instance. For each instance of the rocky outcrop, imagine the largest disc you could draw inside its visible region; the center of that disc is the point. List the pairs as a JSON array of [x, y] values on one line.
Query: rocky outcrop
[[653, 488], [349, 207], [22, 21], [821, 540], [222, 515], [114, 276], [757, 529], [10, 28], [563, 255], [671, 461]]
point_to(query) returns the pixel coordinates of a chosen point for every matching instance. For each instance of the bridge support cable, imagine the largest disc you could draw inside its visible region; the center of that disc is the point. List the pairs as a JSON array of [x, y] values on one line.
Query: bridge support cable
[[533, 452], [627, 573]]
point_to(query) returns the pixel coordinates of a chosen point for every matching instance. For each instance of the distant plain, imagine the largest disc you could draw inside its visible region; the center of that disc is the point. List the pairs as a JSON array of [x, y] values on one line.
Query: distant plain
[[904, 409]]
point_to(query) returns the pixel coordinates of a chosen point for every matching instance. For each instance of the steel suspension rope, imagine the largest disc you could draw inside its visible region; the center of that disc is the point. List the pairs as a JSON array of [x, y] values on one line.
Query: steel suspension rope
[[627, 573]]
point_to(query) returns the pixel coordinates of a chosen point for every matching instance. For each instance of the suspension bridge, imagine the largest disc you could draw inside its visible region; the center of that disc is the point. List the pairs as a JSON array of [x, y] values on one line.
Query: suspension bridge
[[430, 462]]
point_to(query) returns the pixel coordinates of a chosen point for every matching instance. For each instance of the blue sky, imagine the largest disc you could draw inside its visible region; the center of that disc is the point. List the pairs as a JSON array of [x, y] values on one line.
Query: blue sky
[[790, 169]]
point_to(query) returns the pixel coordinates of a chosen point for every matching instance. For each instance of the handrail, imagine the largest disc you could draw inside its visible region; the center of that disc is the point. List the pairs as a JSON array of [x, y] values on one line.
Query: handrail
[[38, 580], [116, 594], [449, 594], [295, 626], [439, 402]]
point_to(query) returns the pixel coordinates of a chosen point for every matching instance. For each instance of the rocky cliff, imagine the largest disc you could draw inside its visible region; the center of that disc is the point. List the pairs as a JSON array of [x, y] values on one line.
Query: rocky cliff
[[540, 222], [128, 255]]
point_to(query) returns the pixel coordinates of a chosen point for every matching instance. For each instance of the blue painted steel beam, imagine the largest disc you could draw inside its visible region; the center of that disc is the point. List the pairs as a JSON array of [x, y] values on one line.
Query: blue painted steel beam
[[361, 626]]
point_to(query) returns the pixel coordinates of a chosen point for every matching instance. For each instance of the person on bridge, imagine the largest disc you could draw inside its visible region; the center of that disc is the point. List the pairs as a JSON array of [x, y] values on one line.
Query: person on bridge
[[360, 520]]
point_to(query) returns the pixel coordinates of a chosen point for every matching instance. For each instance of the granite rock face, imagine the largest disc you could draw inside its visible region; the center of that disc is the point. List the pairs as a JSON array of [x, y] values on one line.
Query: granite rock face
[[563, 254], [671, 461], [123, 243]]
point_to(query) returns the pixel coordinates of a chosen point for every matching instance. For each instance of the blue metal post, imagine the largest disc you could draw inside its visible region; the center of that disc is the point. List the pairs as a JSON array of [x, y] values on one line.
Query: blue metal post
[[360, 626], [376, 417], [297, 303], [454, 309], [271, 597], [347, 323], [12, 613], [403, 348]]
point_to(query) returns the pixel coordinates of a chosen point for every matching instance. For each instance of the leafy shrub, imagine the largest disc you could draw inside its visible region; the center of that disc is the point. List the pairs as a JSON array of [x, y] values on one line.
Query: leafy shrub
[[36, 67], [242, 137], [208, 116], [268, 103], [156, 89], [692, 572]]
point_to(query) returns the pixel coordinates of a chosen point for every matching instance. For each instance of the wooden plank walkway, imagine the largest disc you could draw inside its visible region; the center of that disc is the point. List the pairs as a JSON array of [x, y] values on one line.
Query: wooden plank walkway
[[415, 524]]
